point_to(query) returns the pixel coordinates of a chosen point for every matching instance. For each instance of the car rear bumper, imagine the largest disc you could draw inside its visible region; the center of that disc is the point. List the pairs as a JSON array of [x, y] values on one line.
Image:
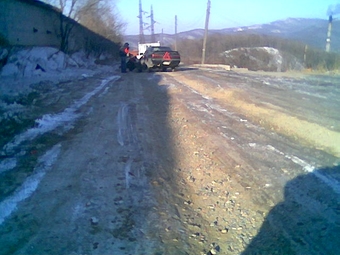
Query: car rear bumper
[[166, 63]]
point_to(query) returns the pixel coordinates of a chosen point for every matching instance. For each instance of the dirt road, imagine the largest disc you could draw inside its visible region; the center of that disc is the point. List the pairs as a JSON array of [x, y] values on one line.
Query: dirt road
[[199, 161]]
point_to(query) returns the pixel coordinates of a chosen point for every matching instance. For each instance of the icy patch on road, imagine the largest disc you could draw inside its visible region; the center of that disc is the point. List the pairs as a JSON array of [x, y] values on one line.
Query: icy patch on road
[[153, 77], [46, 124], [122, 123], [7, 164], [308, 168], [49, 122], [31, 183], [78, 209], [311, 94], [104, 92], [329, 180], [127, 134], [198, 107]]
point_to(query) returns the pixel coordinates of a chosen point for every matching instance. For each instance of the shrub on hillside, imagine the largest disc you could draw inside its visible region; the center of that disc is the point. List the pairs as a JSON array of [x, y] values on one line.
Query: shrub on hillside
[[217, 44]]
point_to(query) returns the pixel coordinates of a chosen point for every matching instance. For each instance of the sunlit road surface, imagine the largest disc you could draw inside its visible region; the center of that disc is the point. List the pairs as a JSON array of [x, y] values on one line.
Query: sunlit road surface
[[189, 162]]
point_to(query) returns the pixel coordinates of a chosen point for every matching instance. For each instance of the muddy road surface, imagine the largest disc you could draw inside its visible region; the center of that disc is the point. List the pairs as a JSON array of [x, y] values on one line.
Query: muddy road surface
[[198, 161]]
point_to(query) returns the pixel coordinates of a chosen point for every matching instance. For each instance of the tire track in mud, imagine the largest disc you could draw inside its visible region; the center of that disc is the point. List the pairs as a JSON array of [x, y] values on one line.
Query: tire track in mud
[[174, 229], [160, 168], [273, 138], [253, 148], [215, 193], [46, 124], [258, 138], [311, 133], [268, 160], [95, 198]]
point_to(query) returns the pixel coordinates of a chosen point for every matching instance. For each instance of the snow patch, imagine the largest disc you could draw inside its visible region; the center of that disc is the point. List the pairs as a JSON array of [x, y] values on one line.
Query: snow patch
[[7, 164], [50, 122], [262, 58], [28, 66], [255, 27], [41, 61], [45, 162]]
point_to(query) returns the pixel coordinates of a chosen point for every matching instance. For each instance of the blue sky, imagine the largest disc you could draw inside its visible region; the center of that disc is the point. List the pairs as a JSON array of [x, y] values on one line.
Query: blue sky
[[223, 13]]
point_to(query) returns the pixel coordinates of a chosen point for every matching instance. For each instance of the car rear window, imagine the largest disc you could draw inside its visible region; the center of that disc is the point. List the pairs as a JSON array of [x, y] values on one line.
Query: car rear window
[[162, 49]]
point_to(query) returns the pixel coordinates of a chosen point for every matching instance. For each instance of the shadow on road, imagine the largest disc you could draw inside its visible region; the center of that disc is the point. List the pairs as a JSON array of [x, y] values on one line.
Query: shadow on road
[[121, 161], [162, 172], [186, 68], [307, 221], [178, 69]]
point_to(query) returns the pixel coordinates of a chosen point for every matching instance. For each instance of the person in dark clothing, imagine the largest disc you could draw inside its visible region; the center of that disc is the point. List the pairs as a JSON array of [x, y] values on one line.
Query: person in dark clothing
[[123, 53]]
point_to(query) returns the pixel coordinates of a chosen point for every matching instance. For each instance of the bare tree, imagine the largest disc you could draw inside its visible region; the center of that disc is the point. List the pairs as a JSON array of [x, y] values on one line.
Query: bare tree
[[65, 27], [68, 7], [68, 10], [97, 15]]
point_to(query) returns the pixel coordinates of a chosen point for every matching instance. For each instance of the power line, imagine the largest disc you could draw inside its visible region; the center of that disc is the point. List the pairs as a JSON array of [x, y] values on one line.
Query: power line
[[175, 32], [141, 24], [153, 22]]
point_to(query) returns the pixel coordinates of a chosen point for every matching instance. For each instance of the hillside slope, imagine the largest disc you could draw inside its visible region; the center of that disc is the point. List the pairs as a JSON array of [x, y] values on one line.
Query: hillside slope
[[310, 31]]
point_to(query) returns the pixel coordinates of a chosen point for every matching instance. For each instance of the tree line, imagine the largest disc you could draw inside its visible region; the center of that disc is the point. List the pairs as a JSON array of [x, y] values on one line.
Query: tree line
[[217, 44]]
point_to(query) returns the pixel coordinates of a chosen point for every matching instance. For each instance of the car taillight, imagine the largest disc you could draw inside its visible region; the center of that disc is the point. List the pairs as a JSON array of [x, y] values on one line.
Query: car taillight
[[155, 55]]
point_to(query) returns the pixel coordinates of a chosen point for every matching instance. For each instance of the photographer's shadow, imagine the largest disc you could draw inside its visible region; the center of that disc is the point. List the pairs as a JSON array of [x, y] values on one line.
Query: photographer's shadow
[[307, 221]]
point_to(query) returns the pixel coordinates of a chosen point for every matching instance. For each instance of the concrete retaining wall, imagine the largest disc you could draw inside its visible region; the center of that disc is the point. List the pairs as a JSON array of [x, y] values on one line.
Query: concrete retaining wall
[[34, 23]]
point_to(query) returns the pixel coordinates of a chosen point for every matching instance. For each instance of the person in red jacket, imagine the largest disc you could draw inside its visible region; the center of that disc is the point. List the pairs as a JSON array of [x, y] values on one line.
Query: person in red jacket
[[123, 53]]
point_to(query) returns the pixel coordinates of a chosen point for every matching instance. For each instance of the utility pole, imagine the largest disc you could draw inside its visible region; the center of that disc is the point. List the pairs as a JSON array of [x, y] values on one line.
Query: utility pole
[[329, 31], [162, 40], [305, 56], [153, 39], [141, 29], [205, 32], [175, 32]]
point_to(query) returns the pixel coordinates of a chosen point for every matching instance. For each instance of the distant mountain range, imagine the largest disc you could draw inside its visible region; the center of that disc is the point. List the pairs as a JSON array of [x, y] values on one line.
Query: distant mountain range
[[312, 32]]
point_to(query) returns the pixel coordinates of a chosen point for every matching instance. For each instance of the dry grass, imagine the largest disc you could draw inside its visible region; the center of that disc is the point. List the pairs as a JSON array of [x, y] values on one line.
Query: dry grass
[[303, 131]]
